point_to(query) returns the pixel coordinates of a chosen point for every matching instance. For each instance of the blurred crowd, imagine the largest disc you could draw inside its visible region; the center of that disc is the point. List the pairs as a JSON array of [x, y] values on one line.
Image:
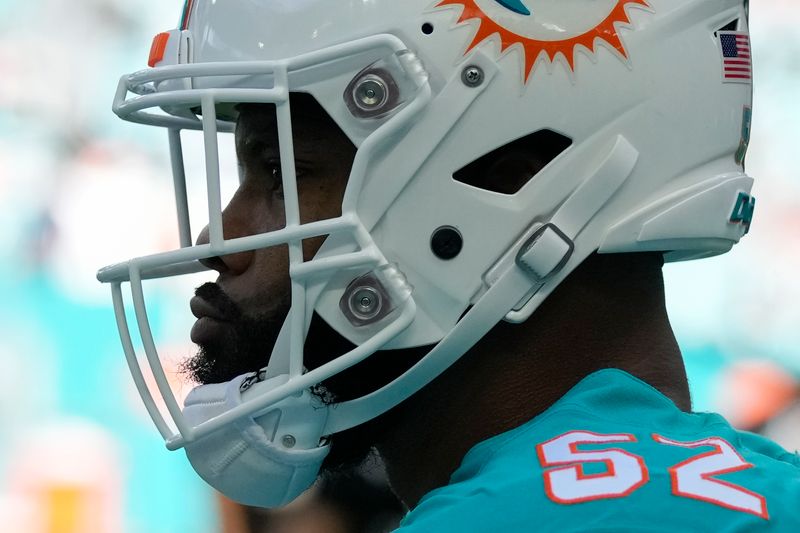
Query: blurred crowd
[[77, 451]]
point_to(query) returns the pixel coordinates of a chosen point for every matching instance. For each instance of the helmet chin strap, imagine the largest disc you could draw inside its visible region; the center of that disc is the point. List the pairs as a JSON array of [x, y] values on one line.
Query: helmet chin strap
[[550, 252]]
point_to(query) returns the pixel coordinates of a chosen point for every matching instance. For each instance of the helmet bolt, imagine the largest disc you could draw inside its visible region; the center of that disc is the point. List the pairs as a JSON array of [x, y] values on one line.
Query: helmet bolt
[[288, 441], [446, 242], [365, 302], [371, 93], [472, 76]]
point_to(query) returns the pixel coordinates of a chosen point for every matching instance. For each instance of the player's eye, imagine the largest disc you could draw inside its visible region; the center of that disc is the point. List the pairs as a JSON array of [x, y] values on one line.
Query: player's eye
[[273, 176]]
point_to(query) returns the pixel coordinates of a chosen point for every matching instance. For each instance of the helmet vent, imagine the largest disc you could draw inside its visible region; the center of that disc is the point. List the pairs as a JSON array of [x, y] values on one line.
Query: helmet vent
[[731, 26], [507, 169]]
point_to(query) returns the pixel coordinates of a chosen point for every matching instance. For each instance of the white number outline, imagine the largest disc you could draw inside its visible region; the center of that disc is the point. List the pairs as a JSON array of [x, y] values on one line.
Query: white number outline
[[576, 465], [718, 444]]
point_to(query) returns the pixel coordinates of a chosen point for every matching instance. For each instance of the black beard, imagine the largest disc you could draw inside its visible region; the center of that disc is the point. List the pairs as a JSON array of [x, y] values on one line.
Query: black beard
[[245, 346]]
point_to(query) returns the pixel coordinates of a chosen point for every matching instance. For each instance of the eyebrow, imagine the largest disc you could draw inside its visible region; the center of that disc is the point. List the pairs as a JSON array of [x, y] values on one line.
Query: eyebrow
[[259, 130]]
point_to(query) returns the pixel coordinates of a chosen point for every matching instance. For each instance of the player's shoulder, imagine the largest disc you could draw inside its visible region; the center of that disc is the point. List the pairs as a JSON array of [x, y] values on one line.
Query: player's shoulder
[[614, 453]]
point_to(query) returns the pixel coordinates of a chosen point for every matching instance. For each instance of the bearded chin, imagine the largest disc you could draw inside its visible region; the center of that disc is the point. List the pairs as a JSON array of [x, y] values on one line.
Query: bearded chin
[[245, 346]]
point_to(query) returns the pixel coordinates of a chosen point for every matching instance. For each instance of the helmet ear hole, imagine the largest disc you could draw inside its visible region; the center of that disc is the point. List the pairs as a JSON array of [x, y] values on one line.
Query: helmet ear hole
[[446, 243], [507, 169]]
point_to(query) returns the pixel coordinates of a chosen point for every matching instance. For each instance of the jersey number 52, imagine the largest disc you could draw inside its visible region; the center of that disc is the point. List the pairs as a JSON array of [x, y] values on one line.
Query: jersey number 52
[[566, 481]]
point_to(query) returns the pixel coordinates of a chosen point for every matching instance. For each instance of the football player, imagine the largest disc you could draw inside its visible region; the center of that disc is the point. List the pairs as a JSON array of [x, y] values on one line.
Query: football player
[[446, 246]]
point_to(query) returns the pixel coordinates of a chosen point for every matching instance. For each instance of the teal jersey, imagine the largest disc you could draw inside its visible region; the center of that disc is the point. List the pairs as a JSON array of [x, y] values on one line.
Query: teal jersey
[[614, 454]]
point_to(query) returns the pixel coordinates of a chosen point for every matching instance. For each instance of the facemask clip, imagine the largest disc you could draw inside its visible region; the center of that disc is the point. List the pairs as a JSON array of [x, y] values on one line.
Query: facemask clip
[[383, 86], [373, 296]]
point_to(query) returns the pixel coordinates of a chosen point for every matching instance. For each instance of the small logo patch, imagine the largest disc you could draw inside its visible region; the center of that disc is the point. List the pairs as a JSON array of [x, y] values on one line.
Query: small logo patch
[[743, 210], [737, 66]]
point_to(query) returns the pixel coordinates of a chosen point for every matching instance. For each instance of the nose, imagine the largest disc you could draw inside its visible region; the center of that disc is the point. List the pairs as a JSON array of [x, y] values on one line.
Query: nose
[[240, 218], [224, 264]]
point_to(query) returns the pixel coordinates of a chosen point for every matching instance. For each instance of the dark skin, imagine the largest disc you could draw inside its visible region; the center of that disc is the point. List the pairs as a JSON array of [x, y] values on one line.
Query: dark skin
[[609, 313]]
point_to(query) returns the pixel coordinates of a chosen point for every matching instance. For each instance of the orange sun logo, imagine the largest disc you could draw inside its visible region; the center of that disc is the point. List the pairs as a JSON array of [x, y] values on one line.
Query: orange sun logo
[[532, 48]]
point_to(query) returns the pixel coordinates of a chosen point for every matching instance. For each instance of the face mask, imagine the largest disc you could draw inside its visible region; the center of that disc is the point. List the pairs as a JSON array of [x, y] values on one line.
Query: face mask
[[266, 459]]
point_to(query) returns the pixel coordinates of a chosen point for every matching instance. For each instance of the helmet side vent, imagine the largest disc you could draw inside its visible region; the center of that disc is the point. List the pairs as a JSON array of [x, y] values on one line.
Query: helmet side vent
[[731, 26], [507, 169]]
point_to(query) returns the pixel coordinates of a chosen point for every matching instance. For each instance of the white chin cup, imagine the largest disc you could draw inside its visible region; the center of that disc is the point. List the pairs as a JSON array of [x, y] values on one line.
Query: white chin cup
[[266, 459]]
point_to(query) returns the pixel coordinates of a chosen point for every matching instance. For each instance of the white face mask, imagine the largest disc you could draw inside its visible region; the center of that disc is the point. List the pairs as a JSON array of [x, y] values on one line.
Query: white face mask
[[266, 459]]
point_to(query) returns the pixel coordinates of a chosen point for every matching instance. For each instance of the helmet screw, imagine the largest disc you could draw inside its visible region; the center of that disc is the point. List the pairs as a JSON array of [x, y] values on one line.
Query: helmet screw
[[446, 242], [371, 93], [288, 441], [472, 76], [365, 302]]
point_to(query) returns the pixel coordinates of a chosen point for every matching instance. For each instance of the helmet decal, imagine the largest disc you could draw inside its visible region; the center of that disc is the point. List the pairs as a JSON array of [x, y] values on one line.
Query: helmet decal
[[744, 143], [548, 34], [514, 5], [187, 12]]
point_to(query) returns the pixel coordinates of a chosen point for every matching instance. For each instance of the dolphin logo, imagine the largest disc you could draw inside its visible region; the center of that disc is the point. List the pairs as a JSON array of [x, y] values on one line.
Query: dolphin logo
[[514, 5], [532, 48]]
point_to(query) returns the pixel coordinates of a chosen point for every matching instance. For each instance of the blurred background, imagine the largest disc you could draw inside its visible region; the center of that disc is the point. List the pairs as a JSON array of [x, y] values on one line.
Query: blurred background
[[77, 450]]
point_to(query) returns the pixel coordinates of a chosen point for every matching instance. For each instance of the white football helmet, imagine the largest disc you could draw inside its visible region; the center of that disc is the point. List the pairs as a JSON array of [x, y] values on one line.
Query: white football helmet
[[647, 101]]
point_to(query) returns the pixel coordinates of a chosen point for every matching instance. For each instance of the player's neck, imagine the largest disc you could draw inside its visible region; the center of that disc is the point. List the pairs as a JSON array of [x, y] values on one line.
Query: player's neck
[[517, 372]]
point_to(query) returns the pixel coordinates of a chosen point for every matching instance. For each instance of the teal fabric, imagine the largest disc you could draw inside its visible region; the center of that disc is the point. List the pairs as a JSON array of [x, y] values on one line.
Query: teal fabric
[[500, 483]]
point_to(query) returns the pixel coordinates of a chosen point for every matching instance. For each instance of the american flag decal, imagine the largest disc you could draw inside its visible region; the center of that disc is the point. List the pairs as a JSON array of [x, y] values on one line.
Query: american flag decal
[[737, 66]]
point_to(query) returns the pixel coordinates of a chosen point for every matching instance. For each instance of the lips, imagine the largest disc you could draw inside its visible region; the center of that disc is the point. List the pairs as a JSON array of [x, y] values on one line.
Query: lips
[[201, 308], [210, 321]]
